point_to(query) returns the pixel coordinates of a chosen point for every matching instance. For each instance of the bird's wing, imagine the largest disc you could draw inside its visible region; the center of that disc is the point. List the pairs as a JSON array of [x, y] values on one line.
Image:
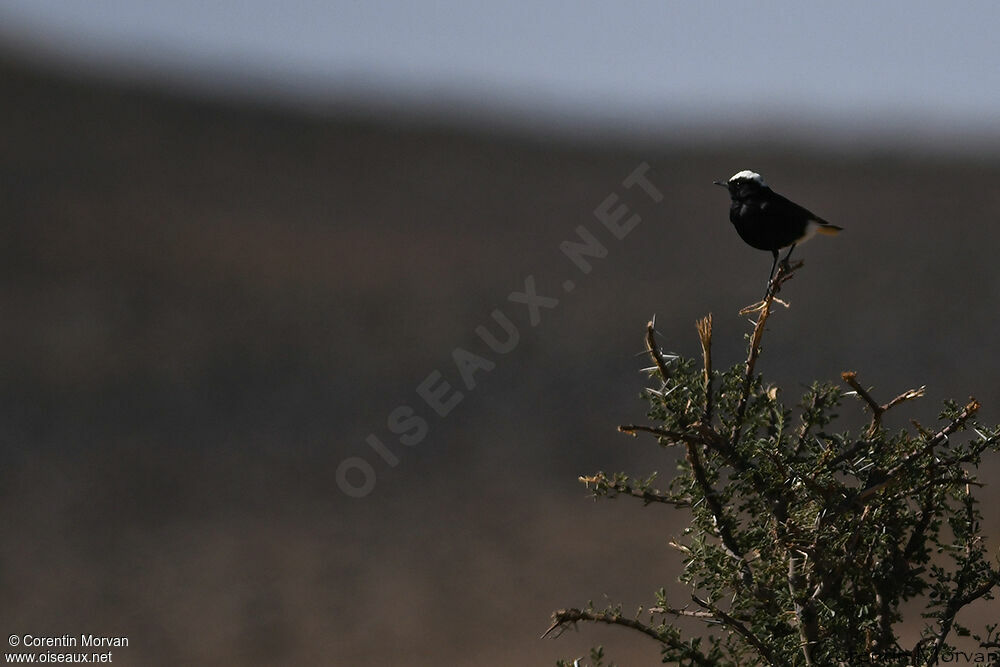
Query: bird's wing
[[786, 207]]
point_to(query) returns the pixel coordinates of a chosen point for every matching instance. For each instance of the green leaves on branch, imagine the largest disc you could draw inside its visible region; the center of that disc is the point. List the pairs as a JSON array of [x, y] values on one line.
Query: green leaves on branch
[[805, 540]]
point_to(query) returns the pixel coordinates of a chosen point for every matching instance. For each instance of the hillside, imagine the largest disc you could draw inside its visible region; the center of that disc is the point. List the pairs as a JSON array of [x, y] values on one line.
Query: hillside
[[207, 307]]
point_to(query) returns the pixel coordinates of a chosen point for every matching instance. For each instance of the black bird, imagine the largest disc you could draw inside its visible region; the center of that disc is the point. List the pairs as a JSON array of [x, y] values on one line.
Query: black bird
[[767, 221]]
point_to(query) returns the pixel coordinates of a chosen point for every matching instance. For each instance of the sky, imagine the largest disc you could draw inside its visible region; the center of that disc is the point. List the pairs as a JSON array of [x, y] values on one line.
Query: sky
[[631, 65]]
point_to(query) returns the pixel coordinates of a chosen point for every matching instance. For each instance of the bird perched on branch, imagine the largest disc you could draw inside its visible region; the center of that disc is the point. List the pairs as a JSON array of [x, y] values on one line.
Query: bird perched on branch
[[767, 221]]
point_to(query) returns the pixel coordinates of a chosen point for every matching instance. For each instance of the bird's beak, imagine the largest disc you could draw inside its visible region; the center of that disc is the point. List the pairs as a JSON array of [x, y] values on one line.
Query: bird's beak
[[722, 183]]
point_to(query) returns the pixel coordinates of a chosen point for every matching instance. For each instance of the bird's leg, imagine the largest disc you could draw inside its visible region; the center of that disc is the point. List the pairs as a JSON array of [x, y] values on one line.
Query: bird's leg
[[788, 255], [770, 276]]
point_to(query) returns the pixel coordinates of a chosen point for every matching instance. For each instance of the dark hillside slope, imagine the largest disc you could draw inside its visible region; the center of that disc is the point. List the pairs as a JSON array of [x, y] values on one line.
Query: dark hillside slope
[[206, 308]]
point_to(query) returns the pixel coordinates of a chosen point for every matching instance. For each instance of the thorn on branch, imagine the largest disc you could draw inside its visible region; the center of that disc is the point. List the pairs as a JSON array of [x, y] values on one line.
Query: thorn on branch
[[654, 350]]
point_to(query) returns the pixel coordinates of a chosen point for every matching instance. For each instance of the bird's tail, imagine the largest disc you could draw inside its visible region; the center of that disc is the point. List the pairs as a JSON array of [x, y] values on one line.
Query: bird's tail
[[828, 229]]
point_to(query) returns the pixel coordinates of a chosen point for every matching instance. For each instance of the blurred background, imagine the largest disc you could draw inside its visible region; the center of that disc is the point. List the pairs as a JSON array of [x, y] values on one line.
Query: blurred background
[[237, 236]]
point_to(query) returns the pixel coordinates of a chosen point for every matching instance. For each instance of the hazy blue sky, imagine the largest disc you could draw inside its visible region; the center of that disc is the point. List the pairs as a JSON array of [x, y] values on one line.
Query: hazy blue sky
[[634, 64]]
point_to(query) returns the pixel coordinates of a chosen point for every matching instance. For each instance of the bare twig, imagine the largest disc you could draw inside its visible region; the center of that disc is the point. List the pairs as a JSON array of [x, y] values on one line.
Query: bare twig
[[705, 336], [564, 617], [739, 628], [614, 487], [764, 310], [907, 395], [784, 273], [850, 377], [704, 615], [674, 437]]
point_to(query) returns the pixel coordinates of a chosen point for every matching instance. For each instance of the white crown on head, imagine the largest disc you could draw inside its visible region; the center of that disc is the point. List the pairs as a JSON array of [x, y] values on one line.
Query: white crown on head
[[749, 175]]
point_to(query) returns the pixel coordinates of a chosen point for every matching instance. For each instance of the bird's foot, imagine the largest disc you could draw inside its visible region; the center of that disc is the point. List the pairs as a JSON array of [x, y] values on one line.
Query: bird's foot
[[786, 271], [788, 267]]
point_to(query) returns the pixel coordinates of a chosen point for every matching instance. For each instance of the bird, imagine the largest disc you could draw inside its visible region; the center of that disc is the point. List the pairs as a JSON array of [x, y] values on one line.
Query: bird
[[767, 221]]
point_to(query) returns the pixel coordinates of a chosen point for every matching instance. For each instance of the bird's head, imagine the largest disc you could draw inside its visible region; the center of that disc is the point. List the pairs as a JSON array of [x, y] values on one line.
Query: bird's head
[[743, 184]]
